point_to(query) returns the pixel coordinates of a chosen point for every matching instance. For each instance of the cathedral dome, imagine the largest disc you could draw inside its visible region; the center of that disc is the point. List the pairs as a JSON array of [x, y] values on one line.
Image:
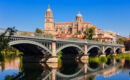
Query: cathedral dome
[[48, 8], [79, 15]]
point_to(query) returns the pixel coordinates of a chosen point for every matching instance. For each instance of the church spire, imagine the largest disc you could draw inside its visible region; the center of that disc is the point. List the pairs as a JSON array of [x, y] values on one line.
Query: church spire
[[79, 12], [48, 6]]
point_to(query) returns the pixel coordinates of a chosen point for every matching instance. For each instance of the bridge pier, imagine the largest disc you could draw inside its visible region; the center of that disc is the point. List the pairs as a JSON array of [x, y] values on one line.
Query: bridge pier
[[53, 74], [53, 58], [123, 49], [54, 67], [114, 51], [103, 51], [84, 58]]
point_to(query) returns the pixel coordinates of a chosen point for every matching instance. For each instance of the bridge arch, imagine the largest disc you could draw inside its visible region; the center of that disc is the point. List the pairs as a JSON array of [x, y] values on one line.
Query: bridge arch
[[108, 50], [118, 50], [29, 42], [94, 46], [69, 45], [94, 50]]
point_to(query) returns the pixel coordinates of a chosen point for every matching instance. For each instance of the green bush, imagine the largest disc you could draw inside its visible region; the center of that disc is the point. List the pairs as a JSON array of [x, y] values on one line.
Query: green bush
[[103, 59]]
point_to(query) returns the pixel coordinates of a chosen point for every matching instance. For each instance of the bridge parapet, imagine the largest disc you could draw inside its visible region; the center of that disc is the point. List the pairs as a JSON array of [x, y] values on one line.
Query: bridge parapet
[[63, 39]]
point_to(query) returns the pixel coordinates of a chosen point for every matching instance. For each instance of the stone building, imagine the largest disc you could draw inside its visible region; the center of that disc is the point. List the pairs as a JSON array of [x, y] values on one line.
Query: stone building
[[78, 26]]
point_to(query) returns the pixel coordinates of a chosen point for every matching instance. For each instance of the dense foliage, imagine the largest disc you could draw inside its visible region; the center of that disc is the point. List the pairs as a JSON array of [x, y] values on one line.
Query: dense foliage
[[5, 49], [38, 31], [4, 40], [120, 41], [89, 33]]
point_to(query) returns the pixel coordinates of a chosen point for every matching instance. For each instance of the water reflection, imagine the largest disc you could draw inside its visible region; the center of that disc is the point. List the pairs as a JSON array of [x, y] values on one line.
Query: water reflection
[[14, 68]]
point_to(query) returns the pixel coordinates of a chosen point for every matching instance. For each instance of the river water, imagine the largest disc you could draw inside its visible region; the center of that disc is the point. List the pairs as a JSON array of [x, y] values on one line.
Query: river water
[[13, 68]]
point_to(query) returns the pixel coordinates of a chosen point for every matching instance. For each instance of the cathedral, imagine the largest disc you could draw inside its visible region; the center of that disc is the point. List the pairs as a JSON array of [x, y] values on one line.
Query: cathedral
[[77, 26]]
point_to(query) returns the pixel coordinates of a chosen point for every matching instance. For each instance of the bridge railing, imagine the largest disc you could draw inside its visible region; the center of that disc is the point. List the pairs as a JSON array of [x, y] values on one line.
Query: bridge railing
[[70, 39]]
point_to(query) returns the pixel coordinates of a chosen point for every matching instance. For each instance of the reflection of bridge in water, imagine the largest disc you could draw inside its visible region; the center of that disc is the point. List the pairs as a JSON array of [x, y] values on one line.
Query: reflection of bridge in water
[[51, 71], [84, 72]]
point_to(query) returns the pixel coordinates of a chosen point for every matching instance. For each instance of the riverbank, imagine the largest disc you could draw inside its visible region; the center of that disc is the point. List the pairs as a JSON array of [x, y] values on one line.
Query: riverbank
[[103, 59], [9, 53]]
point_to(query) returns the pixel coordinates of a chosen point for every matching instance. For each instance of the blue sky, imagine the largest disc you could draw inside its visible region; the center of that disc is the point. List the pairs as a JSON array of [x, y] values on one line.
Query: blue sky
[[27, 15]]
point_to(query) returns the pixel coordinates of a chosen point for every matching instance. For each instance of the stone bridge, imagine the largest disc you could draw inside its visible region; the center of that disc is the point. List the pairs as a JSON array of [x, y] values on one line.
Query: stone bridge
[[53, 45]]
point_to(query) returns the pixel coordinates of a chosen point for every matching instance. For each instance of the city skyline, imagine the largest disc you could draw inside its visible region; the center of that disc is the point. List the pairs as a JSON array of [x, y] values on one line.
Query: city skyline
[[28, 15]]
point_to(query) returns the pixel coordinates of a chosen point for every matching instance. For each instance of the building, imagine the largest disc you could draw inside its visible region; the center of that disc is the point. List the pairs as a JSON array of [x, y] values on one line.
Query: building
[[68, 29], [77, 26], [106, 36]]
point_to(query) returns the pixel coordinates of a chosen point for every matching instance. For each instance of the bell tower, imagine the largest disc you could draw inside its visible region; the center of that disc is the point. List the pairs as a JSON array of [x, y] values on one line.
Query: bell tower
[[49, 25]]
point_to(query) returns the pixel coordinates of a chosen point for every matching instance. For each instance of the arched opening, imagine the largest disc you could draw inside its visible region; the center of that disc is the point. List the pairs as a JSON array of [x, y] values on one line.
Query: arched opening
[[70, 53], [68, 66], [109, 51], [94, 51], [29, 49], [118, 50], [32, 51]]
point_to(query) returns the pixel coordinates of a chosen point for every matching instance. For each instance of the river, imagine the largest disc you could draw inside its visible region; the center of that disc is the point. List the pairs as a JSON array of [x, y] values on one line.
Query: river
[[13, 68]]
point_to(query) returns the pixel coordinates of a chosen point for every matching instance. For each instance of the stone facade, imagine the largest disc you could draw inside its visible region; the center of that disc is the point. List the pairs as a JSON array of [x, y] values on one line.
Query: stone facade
[[78, 26]]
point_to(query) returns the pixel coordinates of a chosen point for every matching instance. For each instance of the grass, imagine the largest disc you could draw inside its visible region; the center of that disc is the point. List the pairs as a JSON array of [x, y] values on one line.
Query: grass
[[122, 56], [10, 53], [103, 59]]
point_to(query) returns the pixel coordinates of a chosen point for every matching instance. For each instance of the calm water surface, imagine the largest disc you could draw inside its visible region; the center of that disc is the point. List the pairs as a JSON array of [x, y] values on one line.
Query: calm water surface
[[14, 68]]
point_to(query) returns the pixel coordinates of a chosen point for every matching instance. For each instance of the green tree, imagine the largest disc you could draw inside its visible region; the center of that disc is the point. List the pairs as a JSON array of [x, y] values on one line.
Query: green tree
[[5, 39], [38, 31], [120, 41], [89, 33]]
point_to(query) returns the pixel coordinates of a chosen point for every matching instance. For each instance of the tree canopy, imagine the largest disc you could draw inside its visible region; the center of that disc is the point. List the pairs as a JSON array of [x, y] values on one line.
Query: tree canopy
[[4, 41], [38, 31], [89, 33], [120, 40]]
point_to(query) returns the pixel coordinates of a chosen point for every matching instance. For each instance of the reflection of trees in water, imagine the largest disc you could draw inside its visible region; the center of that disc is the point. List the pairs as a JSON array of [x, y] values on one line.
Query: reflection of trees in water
[[29, 71], [10, 62]]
